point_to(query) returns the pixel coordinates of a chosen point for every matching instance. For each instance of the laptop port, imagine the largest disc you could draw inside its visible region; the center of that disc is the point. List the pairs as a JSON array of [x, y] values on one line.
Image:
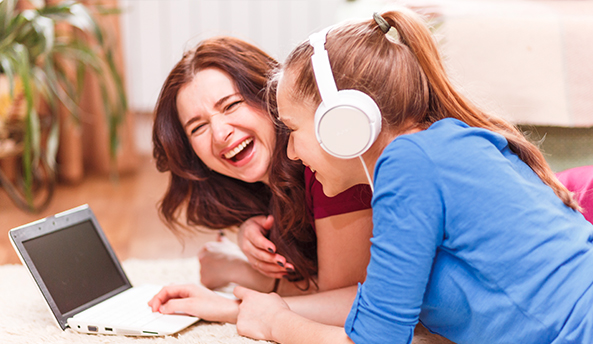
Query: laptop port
[[93, 328], [108, 329]]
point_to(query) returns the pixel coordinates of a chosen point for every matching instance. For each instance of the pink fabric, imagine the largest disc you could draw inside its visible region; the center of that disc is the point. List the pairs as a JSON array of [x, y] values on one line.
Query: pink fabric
[[319, 205], [579, 180]]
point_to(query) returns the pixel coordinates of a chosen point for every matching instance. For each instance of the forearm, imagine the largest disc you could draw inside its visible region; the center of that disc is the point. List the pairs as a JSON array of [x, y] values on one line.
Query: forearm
[[290, 327], [248, 277], [330, 307]]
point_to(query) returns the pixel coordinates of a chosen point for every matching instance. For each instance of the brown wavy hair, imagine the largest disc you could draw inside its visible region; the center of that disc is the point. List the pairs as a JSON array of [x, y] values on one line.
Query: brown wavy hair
[[407, 80], [215, 201]]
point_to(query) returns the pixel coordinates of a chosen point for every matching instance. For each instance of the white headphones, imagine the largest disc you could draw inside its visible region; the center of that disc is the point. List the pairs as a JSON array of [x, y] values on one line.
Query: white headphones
[[347, 122]]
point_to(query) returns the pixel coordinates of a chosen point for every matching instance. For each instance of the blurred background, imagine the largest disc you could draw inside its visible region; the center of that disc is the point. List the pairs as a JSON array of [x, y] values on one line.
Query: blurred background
[[528, 61]]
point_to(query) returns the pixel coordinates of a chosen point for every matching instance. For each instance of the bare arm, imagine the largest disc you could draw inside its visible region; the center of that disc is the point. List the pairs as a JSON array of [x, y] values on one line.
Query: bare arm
[[343, 249], [343, 253], [267, 316], [329, 307]]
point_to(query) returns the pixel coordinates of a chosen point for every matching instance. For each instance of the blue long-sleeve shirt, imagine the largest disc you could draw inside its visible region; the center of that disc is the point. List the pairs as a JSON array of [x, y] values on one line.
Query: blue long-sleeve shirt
[[470, 241]]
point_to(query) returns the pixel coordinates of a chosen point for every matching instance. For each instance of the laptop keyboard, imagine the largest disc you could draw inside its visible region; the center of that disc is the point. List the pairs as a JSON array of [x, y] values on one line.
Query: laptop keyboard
[[127, 309]]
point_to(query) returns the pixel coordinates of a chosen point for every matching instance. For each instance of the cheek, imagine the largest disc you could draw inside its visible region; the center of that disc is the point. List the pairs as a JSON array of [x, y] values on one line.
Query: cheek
[[311, 152], [201, 148], [270, 135], [266, 130]]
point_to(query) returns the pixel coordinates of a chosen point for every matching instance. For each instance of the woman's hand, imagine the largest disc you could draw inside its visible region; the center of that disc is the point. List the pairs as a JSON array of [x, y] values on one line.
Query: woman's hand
[[261, 252], [257, 313], [195, 300]]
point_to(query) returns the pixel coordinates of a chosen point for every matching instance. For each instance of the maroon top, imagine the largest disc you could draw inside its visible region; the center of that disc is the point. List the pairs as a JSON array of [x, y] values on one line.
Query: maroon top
[[579, 180], [319, 205]]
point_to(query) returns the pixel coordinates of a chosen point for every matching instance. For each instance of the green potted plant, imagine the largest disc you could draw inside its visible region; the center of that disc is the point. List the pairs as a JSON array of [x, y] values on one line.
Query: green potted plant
[[45, 54]]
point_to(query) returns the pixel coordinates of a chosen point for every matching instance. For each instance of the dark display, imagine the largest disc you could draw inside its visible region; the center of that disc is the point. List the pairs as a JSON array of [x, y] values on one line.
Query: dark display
[[74, 265]]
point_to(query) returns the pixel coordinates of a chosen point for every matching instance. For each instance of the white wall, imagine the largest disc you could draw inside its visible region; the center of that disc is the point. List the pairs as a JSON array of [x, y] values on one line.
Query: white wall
[[156, 32]]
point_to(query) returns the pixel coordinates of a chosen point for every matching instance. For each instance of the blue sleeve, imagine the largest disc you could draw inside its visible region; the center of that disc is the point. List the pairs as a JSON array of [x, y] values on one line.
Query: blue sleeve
[[408, 227]]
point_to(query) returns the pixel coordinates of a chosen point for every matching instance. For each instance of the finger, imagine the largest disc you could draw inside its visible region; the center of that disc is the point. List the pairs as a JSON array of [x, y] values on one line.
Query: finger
[[268, 267], [257, 255], [166, 294], [267, 225], [240, 292], [259, 241], [271, 271], [280, 260], [251, 237], [177, 306]]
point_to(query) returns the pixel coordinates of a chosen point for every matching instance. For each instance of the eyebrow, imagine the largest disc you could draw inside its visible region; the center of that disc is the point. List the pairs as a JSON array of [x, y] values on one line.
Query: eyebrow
[[216, 106]]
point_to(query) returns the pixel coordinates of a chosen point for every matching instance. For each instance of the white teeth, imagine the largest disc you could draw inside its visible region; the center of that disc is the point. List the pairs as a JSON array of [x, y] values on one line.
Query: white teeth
[[230, 154]]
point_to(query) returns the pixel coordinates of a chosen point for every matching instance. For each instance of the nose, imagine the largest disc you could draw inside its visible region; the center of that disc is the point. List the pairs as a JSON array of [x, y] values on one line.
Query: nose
[[221, 130], [290, 149]]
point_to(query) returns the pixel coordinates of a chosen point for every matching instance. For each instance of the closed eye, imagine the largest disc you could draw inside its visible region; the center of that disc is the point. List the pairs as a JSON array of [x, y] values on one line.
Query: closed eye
[[233, 105], [197, 128]]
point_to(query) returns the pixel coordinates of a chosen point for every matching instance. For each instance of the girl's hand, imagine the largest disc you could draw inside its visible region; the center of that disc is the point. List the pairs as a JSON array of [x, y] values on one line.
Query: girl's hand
[[257, 313], [192, 299], [261, 252]]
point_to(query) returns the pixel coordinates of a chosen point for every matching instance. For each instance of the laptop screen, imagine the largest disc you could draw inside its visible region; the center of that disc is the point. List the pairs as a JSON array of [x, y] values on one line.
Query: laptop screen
[[75, 265]]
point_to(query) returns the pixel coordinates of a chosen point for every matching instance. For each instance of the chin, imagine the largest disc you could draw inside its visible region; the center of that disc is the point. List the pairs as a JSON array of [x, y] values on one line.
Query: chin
[[330, 192], [329, 189], [254, 178]]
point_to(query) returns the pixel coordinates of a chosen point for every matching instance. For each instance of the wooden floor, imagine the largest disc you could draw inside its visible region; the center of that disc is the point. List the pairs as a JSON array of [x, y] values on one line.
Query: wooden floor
[[126, 211]]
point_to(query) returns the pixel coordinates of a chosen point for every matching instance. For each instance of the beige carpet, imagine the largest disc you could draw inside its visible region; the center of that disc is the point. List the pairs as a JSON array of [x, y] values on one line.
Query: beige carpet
[[25, 318]]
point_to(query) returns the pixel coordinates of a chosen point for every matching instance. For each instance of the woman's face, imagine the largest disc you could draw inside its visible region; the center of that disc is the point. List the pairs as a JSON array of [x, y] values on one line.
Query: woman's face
[[228, 135], [336, 175]]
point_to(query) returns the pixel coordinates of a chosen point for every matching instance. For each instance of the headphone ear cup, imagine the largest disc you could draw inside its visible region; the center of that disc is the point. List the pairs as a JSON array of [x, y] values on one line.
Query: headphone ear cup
[[349, 126]]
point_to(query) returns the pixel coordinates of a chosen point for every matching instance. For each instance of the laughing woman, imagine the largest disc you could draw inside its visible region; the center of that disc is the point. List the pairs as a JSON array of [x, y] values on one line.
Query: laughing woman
[[473, 234]]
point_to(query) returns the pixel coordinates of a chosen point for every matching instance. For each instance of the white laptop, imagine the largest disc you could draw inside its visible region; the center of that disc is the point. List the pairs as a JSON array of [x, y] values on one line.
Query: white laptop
[[82, 280]]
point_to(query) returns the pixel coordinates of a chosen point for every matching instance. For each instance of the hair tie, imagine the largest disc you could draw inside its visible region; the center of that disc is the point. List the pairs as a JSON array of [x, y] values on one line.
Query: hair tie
[[386, 28]]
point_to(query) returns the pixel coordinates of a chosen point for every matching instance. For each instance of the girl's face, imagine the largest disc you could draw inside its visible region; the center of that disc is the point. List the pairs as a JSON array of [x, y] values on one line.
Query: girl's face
[[335, 174], [228, 135]]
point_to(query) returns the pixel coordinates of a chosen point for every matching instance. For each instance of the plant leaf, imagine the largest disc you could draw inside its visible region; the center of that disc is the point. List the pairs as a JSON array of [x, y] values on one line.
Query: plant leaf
[[6, 13], [44, 28]]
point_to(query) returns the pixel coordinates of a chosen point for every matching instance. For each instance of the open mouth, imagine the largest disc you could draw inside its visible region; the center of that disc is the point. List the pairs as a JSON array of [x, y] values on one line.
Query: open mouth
[[241, 151]]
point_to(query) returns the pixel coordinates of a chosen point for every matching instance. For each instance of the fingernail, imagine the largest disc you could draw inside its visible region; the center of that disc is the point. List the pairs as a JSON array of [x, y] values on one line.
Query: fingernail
[[280, 263], [270, 250], [289, 269]]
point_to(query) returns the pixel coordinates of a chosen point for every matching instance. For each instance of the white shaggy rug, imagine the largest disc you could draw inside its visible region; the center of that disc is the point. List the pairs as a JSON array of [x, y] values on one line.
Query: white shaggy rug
[[25, 318]]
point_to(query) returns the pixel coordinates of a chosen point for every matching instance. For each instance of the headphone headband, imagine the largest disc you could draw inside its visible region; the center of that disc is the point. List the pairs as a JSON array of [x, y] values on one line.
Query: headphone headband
[[322, 68]]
